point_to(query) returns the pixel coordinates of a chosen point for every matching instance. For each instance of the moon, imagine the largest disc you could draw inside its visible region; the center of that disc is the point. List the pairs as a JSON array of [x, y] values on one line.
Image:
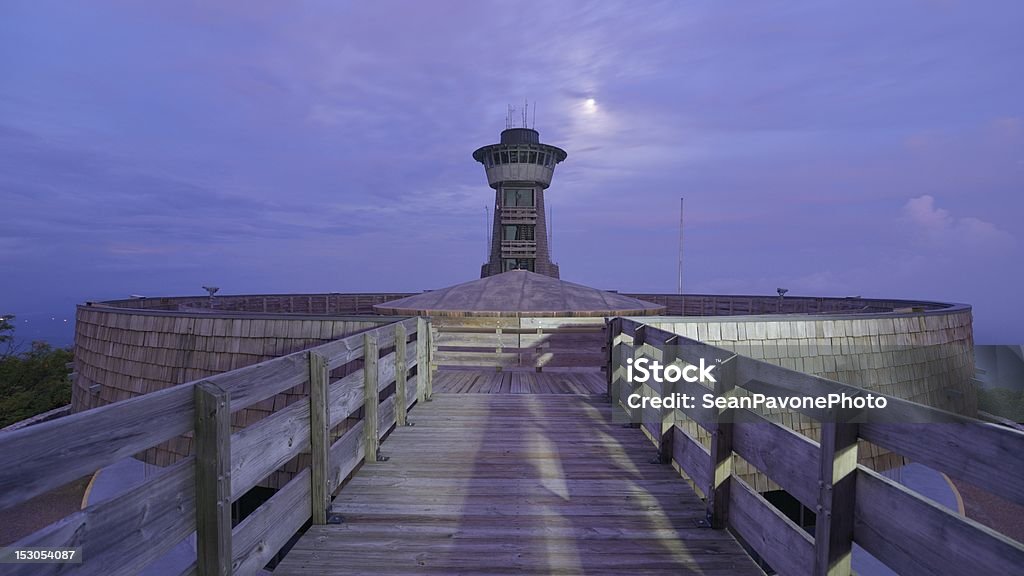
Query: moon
[[590, 106]]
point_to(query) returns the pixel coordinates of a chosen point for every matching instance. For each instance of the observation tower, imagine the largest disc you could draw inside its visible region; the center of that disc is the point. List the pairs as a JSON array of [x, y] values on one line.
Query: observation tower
[[519, 169]]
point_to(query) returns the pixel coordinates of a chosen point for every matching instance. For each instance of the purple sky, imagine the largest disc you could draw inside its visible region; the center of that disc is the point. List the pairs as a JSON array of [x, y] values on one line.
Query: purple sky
[[873, 149]]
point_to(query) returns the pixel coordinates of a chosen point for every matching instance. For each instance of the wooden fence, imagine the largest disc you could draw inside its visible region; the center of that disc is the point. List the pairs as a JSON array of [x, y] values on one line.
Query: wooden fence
[[901, 528], [525, 343], [126, 533]]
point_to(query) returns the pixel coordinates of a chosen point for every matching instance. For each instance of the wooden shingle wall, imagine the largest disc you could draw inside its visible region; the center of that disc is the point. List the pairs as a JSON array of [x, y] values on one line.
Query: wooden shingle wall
[[738, 305]]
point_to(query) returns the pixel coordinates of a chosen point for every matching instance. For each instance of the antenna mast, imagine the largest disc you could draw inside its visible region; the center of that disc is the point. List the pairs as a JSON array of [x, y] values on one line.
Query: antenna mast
[[551, 234], [680, 262]]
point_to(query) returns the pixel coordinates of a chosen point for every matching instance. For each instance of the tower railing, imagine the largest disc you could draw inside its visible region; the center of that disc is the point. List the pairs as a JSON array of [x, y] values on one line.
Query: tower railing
[[518, 216]]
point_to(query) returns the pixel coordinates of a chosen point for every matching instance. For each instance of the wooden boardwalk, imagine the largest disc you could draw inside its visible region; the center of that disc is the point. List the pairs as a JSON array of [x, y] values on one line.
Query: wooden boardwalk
[[539, 481], [505, 483], [520, 382]]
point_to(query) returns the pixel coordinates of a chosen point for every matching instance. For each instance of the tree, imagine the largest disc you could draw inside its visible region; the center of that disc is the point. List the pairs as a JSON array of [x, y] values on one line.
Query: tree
[[7, 347], [32, 382], [1003, 402]]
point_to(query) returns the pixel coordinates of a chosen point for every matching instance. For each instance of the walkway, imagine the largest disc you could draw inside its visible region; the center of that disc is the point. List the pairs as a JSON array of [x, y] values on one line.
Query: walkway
[[516, 483]]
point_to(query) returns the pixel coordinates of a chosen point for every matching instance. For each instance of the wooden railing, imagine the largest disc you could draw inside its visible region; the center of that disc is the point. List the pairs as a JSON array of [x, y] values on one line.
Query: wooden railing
[[125, 533], [901, 528], [536, 343], [518, 248]]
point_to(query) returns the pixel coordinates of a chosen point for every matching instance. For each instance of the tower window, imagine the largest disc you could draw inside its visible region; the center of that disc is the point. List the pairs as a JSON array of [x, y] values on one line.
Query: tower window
[[504, 156], [517, 264], [533, 157], [518, 197], [513, 156], [495, 159], [522, 232]]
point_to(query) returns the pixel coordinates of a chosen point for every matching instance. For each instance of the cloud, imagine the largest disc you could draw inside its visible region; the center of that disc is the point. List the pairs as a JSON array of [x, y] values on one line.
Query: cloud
[[936, 226], [922, 212], [61, 195]]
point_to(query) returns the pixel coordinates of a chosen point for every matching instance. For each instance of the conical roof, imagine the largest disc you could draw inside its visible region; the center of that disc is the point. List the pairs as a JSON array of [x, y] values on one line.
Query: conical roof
[[519, 293]]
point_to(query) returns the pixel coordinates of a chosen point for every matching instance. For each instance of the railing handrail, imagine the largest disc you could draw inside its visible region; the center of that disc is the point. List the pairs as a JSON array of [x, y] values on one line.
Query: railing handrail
[[123, 534], [854, 503], [519, 343]]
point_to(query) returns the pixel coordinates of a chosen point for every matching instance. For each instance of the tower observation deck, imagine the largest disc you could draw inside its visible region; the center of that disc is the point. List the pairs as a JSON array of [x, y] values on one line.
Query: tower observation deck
[[519, 169]]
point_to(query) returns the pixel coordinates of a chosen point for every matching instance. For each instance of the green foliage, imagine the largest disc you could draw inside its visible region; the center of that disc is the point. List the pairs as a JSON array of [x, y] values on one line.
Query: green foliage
[[1002, 402], [6, 333], [33, 382]]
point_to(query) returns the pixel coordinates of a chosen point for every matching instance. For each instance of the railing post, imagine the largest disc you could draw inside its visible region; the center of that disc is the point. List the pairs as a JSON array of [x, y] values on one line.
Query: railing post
[[833, 530], [637, 352], [213, 480], [721, 449], [539, 350], [620, 352], [668, 435], [614, 328], [319, 438], [371, 397], [498, 350], [430, 362], [669, 354], [422, 361], [400, 376], [639, 339]]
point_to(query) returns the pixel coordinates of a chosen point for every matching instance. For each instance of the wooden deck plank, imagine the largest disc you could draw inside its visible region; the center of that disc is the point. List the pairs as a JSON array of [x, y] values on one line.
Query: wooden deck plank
[[517, 383], [570, 381], [465, 382], [504, 482]]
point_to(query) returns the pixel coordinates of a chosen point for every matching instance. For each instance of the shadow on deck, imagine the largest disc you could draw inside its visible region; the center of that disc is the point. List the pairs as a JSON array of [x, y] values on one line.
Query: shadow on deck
[[507, 483]]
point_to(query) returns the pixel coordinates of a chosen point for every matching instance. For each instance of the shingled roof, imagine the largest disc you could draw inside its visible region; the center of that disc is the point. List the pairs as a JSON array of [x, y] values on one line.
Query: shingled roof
[[519, 293]]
